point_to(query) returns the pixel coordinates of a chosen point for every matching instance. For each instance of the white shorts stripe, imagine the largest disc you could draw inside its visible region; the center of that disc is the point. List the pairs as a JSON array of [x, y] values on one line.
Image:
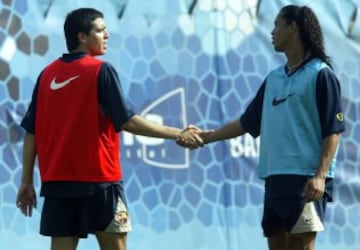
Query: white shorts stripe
[[308, 221], [121, 222]]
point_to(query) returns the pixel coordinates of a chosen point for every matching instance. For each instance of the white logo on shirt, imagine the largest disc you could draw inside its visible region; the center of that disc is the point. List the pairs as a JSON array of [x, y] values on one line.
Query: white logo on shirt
[[58, 85]]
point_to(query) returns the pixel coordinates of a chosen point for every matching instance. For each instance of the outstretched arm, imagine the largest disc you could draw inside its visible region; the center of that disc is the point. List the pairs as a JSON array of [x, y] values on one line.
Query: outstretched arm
[[140, 126], [249, 122], [228, 131]]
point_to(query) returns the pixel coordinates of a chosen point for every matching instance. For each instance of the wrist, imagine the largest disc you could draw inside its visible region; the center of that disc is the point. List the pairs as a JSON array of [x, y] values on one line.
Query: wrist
[[27, 179], [321, 175], [208, 137], [177, 137]]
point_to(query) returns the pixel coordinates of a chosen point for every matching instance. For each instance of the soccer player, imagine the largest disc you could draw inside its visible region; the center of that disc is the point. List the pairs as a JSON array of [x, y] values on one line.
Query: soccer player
[[72, 126], [297, 112]]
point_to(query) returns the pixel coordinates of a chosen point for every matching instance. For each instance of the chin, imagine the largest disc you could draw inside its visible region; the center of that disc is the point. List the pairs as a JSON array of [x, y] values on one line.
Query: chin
[[277, 48], [99, 53]]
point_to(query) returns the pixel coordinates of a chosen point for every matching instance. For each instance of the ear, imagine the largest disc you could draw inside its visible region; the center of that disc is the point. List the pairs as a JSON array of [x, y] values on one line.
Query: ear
[[293, 26], [81, 37]]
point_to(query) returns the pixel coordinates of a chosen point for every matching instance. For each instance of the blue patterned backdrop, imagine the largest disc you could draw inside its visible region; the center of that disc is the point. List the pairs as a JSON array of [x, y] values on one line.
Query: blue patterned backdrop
[[180, 62]]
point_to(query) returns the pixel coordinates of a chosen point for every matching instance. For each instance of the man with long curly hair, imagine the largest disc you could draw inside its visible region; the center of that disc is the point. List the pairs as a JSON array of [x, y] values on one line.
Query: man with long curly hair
[[297, 112]]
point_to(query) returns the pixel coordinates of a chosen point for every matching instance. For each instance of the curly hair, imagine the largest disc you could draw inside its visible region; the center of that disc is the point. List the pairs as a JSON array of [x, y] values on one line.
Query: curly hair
[[309, 28]]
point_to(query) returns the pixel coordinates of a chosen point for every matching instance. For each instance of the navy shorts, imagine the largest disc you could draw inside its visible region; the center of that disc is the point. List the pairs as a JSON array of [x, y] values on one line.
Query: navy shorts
[[285, 207], [79, 216]]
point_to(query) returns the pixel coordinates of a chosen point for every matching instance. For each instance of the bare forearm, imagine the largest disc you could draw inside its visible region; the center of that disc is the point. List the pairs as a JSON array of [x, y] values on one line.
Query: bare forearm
[[329, 146], [228, 131], [29, 155], [140, 126]]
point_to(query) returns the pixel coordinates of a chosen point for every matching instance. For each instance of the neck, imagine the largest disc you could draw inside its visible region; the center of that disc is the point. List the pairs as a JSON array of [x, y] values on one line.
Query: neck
[[296, 58], [294, 52], [296, 64], [80, 48]]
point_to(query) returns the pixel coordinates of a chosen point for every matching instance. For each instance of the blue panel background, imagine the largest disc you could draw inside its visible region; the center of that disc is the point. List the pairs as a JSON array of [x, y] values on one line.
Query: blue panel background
[[177, 68]]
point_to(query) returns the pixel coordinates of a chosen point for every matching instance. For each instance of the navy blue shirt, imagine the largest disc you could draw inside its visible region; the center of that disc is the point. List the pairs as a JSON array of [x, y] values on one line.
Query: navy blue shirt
[[113, 104], [110, 97], [328, 103]]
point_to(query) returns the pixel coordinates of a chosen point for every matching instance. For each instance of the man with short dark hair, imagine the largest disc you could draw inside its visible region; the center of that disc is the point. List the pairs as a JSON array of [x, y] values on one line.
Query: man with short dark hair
[[72, 126]]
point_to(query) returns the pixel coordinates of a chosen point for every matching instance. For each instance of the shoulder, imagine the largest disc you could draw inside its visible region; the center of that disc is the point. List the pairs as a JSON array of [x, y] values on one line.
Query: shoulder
[[278, 69], [317, 65], [319, 71], [92, 60], [108, 69], [107, 65], [323, 71], [277, 72], [52, 64]]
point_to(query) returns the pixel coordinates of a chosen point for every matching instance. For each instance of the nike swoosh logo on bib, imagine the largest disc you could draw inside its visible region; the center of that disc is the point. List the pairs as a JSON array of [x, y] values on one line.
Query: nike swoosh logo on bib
[[278, 101], [58, 85]]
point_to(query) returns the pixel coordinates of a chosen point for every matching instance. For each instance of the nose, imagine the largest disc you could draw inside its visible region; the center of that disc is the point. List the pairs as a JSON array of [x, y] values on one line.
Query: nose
[[106, 34]]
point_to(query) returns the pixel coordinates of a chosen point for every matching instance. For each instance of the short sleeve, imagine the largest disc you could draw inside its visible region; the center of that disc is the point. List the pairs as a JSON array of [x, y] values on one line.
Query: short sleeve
[[111, 98], [28, 122], [251, 119], [328, 98]]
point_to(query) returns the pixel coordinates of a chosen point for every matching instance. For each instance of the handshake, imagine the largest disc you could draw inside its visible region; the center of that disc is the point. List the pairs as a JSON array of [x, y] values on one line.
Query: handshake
[[193, 137]]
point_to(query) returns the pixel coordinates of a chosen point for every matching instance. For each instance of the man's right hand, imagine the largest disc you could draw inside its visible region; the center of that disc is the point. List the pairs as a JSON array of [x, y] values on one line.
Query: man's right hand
[[193, 137], [26, 199]]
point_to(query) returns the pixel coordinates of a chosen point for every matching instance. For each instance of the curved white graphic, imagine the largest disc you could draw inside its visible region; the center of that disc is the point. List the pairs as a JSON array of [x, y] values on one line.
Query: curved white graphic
[[159, 152], [147, 156], [58, 85]]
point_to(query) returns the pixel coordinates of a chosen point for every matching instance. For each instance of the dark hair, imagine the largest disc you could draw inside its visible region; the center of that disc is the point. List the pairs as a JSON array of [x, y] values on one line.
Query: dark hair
[[309, 28], [79, 20]]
